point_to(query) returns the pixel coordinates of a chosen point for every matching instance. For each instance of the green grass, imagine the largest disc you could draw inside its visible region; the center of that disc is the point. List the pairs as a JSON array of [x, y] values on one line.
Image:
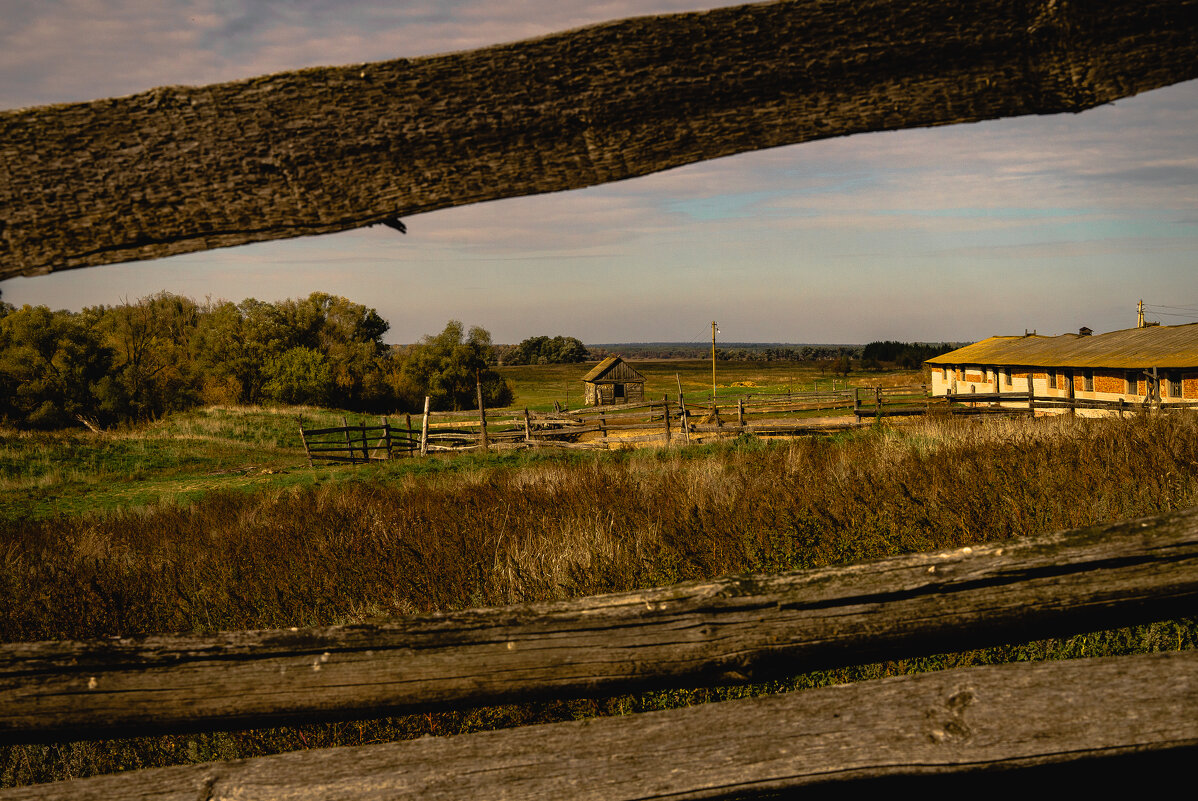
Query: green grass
[[538, 386], [177, 459], [183, 456]]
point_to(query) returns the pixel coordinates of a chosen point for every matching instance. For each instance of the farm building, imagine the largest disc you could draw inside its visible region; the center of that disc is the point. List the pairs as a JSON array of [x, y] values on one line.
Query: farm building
[[613, 381], [1135, 364]]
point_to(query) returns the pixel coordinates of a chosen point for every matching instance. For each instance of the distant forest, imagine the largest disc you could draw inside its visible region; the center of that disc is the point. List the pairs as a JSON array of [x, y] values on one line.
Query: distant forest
[[875, 355], [113, 364], [108, 365], [731, 351]]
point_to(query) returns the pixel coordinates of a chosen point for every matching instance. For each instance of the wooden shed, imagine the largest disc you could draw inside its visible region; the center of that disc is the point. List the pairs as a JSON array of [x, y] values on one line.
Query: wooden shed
[[613, 381]]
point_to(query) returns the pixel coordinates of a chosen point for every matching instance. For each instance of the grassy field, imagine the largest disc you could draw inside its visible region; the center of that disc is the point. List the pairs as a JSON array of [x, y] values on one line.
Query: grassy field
[[538, 386], [426, 535], [183, 456], [174, 460]]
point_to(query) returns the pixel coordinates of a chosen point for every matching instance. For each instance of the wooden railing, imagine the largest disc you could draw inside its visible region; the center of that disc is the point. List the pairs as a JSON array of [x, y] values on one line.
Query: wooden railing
[[601, 427], [676, 421], [1008, 403], [724, 631]]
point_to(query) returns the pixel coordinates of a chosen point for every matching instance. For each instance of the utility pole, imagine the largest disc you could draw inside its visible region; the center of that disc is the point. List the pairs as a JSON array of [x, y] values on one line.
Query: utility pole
[[1140, 317], [714, 331]]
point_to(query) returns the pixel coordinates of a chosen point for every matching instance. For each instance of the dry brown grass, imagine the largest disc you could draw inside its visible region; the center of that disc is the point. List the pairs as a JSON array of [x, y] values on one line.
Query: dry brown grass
[[568, 526]]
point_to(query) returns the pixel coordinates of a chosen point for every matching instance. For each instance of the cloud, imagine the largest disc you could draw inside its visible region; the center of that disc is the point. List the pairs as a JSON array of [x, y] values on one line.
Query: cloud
[[803, 242], [73, 50]]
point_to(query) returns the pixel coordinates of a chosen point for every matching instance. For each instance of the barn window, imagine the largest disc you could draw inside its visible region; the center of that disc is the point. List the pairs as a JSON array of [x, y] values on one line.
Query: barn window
[[1133, 381], [618, 389], [1052, 378], [1088, 380], [1174, 383]]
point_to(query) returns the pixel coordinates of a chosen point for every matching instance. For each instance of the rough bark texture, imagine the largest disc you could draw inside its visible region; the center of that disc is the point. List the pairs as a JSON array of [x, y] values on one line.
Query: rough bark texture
[[181, 169], [975, 721], [725, 631]]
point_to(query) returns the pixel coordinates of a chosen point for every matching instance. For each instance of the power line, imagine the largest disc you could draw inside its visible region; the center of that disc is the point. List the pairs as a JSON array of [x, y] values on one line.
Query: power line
[[1175, 314], [1162, 306]]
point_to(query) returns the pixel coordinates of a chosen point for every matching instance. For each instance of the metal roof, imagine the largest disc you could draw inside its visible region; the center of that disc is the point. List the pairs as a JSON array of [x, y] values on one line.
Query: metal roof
[[1171, 346]]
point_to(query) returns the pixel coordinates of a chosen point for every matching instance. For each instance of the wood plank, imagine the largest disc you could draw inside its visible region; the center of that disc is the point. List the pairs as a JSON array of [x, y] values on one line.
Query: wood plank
[[713, 632], [970, 722], [179, 169], [340, 430]]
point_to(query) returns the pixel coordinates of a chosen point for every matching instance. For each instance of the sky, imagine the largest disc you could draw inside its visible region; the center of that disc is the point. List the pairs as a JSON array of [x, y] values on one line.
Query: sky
[[952, 233]]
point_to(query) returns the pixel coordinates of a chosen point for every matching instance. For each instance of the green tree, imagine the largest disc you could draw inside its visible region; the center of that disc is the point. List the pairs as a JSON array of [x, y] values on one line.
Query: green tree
[[236, 343], [153, 369], [299, 375], [233, 344], [446, 367], [52, 366], [546, 350]]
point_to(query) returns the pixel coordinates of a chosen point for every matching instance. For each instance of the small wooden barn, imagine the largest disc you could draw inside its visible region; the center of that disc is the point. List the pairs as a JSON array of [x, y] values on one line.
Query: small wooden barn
[[613, 381]]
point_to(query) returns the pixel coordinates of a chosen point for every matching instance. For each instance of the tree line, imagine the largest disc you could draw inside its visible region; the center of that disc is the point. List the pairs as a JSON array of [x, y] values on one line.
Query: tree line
[[111, 364], [907, 355], [543, 350]]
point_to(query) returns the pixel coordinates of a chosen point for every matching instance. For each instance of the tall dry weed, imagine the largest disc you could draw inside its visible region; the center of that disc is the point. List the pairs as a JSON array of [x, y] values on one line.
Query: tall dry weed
[[514, 533]]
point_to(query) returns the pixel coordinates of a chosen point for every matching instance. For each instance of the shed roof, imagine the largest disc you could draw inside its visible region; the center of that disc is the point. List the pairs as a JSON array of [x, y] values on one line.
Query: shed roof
[[1155, 346], [613, 368]]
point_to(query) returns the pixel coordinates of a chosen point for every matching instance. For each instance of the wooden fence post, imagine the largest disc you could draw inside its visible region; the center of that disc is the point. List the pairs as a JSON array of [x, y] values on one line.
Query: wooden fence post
[[1031, 395], [386, 435], [527, 426], [1072, 396], [482, 417], [878, 404], [304, 439], [349, 443], [411, 449], [857, 403], [424, 429], [686, 429], [665, 416], [602, 423], [740, 412]]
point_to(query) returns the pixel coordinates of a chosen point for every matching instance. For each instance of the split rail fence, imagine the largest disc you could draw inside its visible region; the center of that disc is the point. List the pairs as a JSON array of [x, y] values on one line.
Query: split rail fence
[[1010, 404], [1075, 716], [676, 421], [666, 421]]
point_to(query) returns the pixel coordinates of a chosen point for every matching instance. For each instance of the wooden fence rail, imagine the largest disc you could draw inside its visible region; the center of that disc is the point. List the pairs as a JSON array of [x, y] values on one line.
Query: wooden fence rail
[[662, 422], [1008, 403], [977, 722], [715, 632]]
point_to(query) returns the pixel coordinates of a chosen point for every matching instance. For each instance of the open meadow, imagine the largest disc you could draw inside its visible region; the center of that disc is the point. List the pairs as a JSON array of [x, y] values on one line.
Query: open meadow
[[184, 455], [228, 544], [537, 386]]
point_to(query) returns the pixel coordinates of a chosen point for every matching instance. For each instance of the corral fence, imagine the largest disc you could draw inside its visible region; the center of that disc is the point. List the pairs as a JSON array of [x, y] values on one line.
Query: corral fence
[[896, 404], [987, 722], [677, 421], [663, 422]]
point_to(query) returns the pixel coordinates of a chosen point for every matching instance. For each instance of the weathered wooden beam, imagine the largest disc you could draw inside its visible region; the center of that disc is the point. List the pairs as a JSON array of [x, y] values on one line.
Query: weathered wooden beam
[[975, 722], [179, 169], [714, 632]]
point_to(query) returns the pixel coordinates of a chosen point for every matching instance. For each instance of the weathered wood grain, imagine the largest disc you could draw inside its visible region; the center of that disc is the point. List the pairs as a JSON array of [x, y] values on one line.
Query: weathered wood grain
[[972, 721], [717, 632], [179, 169]]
